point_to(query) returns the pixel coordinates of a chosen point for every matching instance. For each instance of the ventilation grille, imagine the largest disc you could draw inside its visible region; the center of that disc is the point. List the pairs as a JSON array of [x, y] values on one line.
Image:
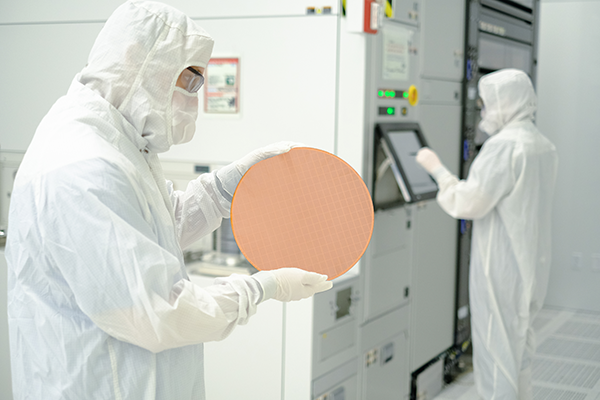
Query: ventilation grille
[[566, 373], [570, 349], [540, 393], [567, 364]]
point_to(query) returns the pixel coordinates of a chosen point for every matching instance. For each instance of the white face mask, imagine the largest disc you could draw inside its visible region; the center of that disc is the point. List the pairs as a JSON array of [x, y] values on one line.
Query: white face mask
[[487, 125], [482, 115], [185, 113]]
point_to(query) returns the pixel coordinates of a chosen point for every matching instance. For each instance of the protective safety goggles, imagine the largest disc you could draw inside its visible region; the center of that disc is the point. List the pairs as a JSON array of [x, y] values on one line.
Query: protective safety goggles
[[192, 79]]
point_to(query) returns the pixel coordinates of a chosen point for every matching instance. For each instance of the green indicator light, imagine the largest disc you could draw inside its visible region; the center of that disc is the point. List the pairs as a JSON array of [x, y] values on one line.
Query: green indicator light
[[405, 95], [381, 93], [391, 110], [392, 93]]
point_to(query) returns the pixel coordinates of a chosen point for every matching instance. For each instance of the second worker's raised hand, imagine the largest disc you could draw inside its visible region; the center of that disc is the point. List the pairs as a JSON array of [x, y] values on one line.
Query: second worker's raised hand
[[428, 159]]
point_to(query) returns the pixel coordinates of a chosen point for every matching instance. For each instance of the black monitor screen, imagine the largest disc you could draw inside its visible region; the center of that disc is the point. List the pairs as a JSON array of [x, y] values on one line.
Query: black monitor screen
[[406, 144], [399, 143]]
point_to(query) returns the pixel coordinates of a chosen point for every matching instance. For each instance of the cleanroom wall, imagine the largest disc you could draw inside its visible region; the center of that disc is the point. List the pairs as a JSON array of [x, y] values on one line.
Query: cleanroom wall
[[569, 94]]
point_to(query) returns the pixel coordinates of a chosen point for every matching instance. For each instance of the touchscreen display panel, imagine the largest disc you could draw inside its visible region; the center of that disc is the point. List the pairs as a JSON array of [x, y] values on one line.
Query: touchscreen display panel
[[406, 144]]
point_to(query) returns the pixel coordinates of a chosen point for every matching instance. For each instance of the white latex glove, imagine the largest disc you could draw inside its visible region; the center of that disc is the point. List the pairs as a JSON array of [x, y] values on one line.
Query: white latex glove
[[296, 284], [230, 175], [263, 153], [428, 159]]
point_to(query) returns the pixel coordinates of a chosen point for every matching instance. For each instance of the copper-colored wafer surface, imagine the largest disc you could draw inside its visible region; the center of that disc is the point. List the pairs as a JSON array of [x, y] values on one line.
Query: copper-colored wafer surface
[[306, 209]]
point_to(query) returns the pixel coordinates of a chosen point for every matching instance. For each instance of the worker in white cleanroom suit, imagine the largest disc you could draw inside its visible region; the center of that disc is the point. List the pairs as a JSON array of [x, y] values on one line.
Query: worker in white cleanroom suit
[[100, 305], [508, 195]]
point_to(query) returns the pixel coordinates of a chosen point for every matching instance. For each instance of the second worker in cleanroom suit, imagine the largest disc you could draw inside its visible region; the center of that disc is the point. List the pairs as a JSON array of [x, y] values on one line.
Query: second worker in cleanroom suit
[[99, 302], [508, 195]]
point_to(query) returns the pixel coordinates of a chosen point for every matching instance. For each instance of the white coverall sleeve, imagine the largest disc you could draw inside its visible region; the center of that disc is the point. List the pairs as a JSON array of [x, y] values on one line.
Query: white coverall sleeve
[[98, 231], [490, 178], [199, 209], [207, 199]]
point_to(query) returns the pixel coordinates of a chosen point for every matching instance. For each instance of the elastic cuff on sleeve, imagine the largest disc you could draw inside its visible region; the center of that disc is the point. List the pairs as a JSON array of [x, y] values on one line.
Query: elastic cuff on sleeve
[[268, 283], [229, 176], [440, 173], [222, 191]]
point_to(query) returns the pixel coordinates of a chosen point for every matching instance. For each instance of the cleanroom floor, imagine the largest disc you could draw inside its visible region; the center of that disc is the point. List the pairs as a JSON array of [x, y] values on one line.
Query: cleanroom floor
[[566, 365]]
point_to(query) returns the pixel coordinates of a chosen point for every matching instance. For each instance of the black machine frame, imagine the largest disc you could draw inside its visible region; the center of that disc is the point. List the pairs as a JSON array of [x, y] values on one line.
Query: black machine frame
[[384, 142]]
